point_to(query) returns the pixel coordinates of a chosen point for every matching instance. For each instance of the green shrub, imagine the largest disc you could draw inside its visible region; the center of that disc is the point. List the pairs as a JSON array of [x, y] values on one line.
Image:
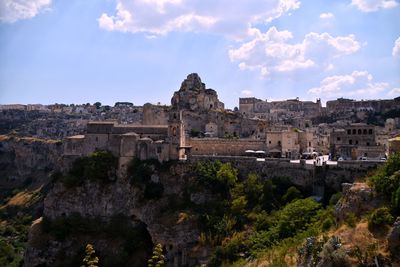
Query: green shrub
[[334, 254], [297, 216], [387, 178], [335, 198], [380, 218], [291, 194], [139, 172], [253, 189], [351, 219], [327, 224], [229, 251], [218, 177], [99, 166], [396, 200]]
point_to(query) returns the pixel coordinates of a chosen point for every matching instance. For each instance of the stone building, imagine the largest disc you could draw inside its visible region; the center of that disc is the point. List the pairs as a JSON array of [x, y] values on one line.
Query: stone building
[[355, 141], [394, 145], [343, 105], [279, 110]]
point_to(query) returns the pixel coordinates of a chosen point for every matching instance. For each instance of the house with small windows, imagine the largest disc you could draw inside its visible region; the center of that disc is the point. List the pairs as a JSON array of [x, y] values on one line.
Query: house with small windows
[[355, 141]]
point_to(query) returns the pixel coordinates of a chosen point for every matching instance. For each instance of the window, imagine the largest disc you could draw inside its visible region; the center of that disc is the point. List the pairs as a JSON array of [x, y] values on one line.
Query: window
[[349, 132], [97, 139], [367, 143], [356, 142], [269, 142], [359, 131], [365, 131], [158, 150], [350, 142], [309, 143], [338, 139], [279, 143], [370, 131], [354, 131]]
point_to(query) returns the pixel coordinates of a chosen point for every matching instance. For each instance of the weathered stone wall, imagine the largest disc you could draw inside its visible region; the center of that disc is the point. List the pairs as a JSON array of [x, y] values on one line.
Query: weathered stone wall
[[216, 146], [155, 114]]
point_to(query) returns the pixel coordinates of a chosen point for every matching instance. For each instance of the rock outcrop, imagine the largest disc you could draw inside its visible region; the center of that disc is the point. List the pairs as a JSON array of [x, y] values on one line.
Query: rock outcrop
[[25, 161], [394, 239], [194, 96], [358, 199], [176, 230]]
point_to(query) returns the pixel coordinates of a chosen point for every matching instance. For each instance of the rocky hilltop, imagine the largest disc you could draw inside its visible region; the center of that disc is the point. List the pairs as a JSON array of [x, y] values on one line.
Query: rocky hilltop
[[194, 96]]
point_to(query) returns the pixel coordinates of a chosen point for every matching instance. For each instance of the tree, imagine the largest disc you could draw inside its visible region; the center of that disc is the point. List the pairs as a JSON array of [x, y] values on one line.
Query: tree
[[90, 259], [158, 259], [97, 104], [291, 194]]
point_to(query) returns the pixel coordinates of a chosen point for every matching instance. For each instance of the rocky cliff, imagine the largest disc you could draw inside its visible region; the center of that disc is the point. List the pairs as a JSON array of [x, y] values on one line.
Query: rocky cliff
[[26, 161], [95, 201]]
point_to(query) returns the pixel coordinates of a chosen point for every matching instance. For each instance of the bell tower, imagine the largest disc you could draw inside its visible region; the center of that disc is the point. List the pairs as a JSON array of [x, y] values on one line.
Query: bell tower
[[176, 135]]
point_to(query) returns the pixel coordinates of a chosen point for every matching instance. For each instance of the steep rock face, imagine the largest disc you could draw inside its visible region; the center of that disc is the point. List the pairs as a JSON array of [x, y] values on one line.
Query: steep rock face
[[194, 96], [358, 198], [175, 230], [24, 161], [394, 239]]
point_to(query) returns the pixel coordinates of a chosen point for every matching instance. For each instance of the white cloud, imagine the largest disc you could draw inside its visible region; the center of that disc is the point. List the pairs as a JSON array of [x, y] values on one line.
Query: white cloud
[[358, 83], [326, 16], [247, 93], [373, 5], [159, 17], [396, 48], [272, 51], [394, 92], [13, 10]]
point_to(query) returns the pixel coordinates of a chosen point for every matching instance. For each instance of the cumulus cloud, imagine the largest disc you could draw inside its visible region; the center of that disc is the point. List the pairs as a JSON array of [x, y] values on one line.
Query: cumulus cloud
[[373, 5], [358, 83], [13, 10], [159, 17], [394, 92], [396, 48], [326, 16], [272, 51]]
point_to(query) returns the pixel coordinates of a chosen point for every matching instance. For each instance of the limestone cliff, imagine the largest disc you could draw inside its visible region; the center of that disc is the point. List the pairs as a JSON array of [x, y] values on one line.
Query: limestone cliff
[[25, 161], [96, 201]]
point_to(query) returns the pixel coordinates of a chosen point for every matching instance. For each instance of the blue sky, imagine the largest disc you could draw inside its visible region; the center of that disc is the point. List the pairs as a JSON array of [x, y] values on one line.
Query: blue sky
[[80, 51]]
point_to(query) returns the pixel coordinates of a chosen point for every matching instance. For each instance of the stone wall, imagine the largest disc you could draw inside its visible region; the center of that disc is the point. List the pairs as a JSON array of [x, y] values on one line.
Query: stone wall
[[155, 114], [218, 146]]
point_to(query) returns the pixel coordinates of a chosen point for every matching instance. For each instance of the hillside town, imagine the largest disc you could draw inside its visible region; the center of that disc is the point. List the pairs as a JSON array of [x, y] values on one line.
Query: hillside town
[[197, 123]]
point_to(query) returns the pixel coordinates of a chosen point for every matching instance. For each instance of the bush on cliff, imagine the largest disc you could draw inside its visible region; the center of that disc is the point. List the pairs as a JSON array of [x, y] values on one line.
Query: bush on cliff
[[387, 178], [139, 173], [217, 176], [380, 218], [99, 166]]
